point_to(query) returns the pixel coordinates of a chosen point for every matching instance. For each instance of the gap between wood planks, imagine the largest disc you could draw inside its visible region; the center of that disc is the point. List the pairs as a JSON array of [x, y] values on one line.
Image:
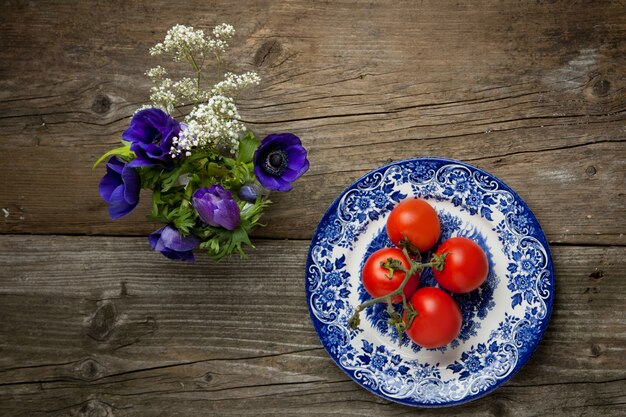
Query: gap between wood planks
[[273, 239]]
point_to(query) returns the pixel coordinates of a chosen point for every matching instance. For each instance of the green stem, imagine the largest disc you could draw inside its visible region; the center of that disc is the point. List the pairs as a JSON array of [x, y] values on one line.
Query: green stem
[[187, 195], [414, 267], [198, 87], [191, 59], [391, 265]]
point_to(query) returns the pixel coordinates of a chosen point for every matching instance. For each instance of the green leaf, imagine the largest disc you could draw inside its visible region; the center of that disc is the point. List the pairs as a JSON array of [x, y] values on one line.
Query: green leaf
[[184, 219], [150, 177], [220, 242], [174, 197], [169, 178], [217, 170], [251, 214], [247, 146], [156, 200], [121, 151]]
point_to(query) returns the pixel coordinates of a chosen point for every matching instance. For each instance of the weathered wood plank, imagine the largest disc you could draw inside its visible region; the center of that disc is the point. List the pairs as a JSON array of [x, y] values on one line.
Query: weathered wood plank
[[100, 325], [532, 93]]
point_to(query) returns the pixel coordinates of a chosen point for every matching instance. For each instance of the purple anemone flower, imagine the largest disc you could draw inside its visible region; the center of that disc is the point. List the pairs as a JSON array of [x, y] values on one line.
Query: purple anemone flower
[[217, 207], [120, 188], [279, 160], [172, 244], [248, 193], [151, 132]]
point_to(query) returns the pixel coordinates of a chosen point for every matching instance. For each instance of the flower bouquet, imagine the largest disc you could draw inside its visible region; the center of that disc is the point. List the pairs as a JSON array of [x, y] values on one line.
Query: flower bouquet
[[210, 176]]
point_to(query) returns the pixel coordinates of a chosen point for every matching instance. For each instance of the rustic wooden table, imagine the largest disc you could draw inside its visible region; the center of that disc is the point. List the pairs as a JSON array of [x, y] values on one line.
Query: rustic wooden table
[[92, 323]]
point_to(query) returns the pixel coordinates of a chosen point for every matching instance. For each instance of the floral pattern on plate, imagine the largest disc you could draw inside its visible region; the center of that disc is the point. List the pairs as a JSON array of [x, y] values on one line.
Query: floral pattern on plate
[[503, 320]]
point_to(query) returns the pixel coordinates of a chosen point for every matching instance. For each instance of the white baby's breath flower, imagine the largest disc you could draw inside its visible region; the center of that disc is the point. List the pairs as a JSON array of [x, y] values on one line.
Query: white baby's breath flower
[[221, 35], [211, 125], [224, 31], [187, 91], [215, 122], [181, 41], [161, 94], [217, 46], [234, 83], [184, 42], [157, 72]]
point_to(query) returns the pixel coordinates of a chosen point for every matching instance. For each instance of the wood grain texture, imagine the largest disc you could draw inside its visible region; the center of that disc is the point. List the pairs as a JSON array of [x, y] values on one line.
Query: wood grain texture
[[534, 93], [100, 326]]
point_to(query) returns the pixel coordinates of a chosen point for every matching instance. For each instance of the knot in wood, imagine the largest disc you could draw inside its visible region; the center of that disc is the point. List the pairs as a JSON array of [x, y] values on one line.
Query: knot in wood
[[597, 275], [498, 409], [101, 104], [596, 350], [89, 370], [601, 87], [103, 321], [267, 53], [95, 408]]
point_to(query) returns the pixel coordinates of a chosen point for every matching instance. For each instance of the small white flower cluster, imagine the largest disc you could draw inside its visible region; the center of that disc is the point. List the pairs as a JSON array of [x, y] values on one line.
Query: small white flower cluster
[[234, 83], [167, 93], [214, 121], [187, 90], [181, 41], [224, 31], [157, 73], [222, 34], [214, 124], [163, 95]]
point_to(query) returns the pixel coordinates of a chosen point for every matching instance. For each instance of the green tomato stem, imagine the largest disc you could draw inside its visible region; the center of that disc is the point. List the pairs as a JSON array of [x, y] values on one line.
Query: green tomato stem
[[399, 323]]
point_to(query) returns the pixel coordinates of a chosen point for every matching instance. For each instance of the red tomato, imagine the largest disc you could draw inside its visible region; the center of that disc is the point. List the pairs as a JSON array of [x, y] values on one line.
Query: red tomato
[[465, 267], [438, 320], [417, 221], [376, 277]]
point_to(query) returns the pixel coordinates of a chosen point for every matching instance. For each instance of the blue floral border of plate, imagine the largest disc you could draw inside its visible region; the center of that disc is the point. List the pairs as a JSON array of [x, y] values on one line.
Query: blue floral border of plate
[[539, 235]]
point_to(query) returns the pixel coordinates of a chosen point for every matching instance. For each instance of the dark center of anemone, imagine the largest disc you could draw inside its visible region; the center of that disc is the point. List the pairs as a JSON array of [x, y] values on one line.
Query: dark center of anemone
[[276, 159], [153, 134], [275, 163]]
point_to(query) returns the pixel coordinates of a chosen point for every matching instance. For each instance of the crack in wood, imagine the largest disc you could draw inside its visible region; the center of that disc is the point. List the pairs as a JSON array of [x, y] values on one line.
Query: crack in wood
[[559, 148], [591, 382]]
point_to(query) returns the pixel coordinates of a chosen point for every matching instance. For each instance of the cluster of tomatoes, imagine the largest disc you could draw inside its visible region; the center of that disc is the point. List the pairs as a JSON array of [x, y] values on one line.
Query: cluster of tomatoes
[[431, 317]]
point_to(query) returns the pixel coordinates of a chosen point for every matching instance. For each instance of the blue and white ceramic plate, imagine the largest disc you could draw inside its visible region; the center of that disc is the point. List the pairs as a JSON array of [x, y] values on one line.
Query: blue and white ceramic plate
[[503, 320]]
